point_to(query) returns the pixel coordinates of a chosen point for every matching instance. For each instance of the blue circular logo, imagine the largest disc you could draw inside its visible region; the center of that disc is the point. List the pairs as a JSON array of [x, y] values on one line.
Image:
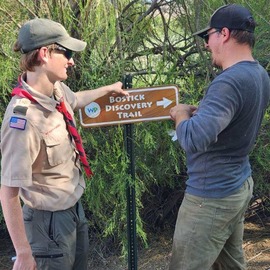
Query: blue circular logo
[[92, 110]]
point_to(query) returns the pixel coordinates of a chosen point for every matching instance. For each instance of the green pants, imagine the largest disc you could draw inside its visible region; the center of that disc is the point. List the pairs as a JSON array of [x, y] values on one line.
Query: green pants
[[59, 240], [209, 232]]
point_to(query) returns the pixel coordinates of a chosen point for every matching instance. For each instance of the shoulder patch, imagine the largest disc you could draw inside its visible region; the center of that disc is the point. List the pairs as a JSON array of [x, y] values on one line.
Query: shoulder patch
[[21, 106], [17, 122]]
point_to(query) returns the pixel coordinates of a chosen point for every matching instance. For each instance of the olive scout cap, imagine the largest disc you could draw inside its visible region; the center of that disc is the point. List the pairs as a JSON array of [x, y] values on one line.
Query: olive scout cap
[[38, 32], [234, 17]]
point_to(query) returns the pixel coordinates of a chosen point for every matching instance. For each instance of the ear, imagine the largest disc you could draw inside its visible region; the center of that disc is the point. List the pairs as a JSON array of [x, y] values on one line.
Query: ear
[[43, 54], [226, 33]]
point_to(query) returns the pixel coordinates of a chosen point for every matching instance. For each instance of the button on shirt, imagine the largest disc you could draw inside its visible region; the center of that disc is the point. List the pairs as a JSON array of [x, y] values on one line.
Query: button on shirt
[[41, 159]]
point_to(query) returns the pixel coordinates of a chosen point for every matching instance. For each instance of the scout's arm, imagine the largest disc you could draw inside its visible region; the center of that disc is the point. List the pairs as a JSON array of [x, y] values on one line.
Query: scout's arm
[[12, 211], [87, 96]]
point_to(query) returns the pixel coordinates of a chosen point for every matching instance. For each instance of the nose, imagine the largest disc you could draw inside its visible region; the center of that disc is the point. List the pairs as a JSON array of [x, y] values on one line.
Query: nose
[[206, 46], [71, 62]]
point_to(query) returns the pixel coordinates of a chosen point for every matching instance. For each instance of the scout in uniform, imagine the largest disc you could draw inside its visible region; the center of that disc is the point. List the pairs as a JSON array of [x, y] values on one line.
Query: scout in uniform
[[42, 155]]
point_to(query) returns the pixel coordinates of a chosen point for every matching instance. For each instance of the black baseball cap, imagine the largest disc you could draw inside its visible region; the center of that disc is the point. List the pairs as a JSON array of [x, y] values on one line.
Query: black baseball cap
[[232, 16], [41, 32]]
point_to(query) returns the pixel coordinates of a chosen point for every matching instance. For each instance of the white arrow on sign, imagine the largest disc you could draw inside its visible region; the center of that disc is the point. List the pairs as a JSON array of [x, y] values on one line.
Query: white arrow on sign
[[165, 102]]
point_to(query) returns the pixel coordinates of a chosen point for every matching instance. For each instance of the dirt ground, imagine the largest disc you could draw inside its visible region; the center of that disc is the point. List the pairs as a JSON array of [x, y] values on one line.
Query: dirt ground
[[157, 255]]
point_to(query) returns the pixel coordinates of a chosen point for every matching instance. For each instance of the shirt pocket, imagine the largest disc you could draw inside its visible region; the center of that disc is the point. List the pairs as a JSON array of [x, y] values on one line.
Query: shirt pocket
[[59, 150]]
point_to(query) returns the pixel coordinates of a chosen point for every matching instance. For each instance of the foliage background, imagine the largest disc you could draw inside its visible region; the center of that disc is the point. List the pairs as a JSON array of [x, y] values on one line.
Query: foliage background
[[152, 41]]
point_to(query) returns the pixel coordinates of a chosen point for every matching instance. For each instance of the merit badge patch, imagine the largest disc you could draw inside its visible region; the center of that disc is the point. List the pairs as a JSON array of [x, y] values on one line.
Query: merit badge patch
[[17, 122]]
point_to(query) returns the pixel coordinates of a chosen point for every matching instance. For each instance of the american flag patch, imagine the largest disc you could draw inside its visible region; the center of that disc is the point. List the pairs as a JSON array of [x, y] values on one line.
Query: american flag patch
[[17, 122]]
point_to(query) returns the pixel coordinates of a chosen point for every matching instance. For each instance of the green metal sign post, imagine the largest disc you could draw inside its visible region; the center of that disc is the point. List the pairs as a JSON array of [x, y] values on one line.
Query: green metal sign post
[[131, 202]]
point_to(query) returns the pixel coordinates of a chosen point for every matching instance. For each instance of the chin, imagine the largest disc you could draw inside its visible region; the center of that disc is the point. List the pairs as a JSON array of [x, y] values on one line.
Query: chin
[[215, 64], [63, 78]]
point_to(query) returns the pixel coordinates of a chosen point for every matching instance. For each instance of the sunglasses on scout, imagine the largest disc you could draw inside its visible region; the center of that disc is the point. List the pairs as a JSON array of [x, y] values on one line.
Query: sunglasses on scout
[[66, 52]]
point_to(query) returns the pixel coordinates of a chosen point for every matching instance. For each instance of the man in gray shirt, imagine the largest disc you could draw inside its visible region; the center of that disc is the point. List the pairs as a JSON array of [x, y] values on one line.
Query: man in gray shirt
[[217, 138]]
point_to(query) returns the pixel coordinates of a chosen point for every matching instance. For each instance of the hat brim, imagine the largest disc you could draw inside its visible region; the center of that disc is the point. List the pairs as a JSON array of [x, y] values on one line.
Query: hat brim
[[72, 44], [202, 32]]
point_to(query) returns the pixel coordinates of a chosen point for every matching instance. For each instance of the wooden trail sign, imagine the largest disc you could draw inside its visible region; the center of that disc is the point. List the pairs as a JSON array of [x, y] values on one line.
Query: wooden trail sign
[[142, 104]]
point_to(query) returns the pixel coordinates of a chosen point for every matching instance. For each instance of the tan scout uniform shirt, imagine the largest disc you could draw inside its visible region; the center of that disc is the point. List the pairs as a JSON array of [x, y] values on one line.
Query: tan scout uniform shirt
[[41, 159]]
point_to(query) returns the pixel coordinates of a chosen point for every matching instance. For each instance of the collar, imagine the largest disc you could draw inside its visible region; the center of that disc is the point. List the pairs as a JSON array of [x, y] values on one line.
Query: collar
[[24, 90]]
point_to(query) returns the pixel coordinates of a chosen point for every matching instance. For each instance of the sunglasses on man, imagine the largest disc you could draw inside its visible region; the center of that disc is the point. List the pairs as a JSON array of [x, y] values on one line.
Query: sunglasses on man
[[206, 36]]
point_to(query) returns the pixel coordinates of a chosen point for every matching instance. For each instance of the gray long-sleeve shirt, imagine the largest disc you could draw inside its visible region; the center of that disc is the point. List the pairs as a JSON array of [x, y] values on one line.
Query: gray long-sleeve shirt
[[219, 137]]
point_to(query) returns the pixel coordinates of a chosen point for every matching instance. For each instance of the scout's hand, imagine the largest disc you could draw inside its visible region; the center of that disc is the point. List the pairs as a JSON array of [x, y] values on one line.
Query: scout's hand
[[25, 262], [116, 89]]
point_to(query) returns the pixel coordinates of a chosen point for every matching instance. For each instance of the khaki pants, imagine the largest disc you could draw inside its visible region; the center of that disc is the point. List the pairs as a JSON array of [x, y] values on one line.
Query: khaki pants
[[209, 232], [59, 240]]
